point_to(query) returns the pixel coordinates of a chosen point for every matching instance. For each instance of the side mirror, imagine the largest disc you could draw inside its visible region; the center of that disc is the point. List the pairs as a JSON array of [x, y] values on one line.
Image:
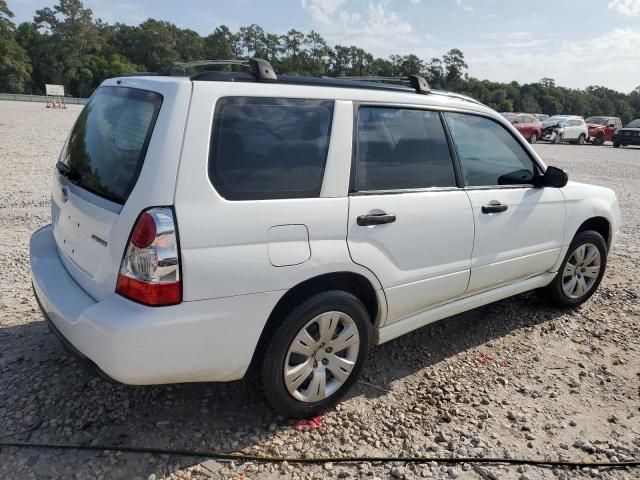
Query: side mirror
[[555, 177]]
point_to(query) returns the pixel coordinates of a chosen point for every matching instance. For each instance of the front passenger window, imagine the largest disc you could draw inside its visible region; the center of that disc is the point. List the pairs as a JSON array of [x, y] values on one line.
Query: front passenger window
[[488, 153]]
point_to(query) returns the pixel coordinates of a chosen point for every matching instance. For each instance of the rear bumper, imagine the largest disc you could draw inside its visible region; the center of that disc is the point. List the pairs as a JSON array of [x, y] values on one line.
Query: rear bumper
[[209, 340]]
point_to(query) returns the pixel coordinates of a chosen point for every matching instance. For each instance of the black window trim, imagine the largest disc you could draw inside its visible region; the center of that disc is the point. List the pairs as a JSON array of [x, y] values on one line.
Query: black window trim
[[353, 176], [275, 197], [539, 169]]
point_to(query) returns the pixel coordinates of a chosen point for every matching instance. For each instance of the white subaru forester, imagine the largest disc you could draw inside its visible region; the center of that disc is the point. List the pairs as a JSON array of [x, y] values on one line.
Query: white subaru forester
[[209, 226]]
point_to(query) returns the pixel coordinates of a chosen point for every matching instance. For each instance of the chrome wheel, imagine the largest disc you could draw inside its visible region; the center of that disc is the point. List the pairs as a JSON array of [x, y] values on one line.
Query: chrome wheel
[[581, 271], [534, 138], [321, 356]]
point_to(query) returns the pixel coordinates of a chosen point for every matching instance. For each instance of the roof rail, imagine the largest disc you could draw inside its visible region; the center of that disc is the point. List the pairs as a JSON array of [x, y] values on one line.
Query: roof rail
[[261, 69], [418, 83]]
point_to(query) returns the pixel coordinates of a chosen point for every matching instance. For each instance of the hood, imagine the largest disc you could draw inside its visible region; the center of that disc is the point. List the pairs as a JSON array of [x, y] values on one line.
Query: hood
[[595, 125], [630, 129], [550, 123]]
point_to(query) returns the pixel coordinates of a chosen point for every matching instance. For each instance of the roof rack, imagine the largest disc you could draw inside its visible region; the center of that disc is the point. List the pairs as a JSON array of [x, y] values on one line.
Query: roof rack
[[418, 83], [260, 69]]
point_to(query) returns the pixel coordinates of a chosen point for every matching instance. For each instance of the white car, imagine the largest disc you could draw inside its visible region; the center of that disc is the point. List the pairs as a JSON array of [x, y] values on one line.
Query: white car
[[204, 228], [565, 128]]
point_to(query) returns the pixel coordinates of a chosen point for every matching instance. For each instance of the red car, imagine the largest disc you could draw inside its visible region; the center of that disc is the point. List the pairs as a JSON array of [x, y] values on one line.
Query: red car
[[527, 124], [601, 129]]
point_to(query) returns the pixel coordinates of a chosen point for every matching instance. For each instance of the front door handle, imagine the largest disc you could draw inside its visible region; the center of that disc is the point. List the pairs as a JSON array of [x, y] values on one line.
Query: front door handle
[[494, 208], [376, 219]]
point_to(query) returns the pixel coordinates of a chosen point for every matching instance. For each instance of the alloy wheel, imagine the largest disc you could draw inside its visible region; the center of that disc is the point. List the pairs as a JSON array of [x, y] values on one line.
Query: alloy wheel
[[581, 271], [321, 356]]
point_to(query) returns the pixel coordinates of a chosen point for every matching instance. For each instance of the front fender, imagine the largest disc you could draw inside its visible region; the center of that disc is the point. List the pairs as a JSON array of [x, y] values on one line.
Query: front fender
[[584, 202]]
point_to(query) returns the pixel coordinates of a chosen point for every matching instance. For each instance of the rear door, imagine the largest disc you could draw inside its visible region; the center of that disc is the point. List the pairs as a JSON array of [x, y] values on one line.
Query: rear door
[[572, 130], [518, 227], [409, 222], [112, 166]]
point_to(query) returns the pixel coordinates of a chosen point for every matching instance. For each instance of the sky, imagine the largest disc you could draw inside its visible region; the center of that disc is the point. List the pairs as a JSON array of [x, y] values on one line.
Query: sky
[[576, 42]]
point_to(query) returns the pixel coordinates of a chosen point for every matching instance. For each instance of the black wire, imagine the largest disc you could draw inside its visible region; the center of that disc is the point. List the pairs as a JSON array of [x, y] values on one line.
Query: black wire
[[244, 457]]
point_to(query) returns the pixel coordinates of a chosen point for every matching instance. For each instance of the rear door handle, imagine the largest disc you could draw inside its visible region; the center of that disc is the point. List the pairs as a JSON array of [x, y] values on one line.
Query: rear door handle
[[494, 208], [376, 219]]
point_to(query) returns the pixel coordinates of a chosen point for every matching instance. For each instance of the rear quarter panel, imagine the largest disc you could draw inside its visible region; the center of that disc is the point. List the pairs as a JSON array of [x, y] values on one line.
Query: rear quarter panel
[[224, 244]]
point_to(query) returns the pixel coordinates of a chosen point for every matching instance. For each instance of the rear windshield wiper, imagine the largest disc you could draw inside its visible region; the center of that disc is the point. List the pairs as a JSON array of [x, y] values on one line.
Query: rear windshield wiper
[[67, 171]]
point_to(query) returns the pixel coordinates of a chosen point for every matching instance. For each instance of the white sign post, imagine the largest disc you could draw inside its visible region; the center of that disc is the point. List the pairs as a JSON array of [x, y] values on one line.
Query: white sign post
[[55, 96]]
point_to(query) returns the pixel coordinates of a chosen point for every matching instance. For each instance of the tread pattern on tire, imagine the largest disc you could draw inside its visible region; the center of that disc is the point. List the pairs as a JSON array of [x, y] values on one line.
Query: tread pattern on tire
[[554, 290], [270, 383]]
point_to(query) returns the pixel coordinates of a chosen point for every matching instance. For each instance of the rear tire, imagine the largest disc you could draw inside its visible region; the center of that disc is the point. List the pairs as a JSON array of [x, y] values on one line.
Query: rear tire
[[616, 145], [304, 371], [581, 271], [581, 139]]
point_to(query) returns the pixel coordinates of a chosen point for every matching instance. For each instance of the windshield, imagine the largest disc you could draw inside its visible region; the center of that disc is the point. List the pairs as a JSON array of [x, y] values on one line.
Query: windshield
[[597, 120], [509, 116], [107, 145], [635, 123]]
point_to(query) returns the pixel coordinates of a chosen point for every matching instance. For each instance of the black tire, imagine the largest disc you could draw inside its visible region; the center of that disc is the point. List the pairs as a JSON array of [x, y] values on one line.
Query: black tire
[[533, 139], [581, 139], [555, 292], [271, 375], [616, 145], [599, 140]]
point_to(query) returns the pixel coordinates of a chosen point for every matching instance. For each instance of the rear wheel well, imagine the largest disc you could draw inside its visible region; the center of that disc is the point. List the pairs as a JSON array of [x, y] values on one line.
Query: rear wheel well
[[350, 282], [600, 225]]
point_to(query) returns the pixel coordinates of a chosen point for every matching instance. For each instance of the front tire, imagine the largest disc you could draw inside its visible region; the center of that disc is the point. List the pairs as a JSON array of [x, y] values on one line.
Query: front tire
[[599, 140], [557, 139], [316, 354], [533, 139], [581, 139], [581, 271], [616, 145]]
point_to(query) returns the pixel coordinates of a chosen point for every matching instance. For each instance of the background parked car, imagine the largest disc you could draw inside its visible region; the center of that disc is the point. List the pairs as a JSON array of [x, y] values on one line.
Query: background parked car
[[629, 135], [541, 117], [527, 124], [601, 128], [565, 128]]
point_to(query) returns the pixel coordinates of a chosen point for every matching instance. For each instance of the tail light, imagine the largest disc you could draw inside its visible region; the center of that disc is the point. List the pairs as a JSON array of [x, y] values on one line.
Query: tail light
[[150, 270]]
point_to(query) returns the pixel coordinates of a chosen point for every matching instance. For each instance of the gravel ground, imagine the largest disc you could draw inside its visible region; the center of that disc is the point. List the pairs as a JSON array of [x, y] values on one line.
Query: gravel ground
[[512, 379]]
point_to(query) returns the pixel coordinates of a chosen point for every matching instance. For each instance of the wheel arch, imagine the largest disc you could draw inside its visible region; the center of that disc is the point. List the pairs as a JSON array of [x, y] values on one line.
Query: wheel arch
[[348, 281], [598, 224]]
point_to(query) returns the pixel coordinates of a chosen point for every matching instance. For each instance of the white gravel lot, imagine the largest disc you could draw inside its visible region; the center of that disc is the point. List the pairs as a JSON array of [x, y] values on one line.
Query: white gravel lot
[[513, 379]]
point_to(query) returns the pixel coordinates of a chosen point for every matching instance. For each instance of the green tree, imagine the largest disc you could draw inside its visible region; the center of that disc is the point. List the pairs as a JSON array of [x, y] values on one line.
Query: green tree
[[454, 66], [74, 41], [15, 66], [221, 44]]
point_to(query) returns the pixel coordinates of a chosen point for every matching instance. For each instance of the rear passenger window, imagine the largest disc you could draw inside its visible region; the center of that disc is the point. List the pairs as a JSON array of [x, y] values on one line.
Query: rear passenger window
[[266, 148], [402, 149], [489, 155]]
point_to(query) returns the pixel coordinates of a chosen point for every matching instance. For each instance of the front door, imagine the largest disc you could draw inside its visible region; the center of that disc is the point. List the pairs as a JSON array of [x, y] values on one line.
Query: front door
[[409, 222], [518, 227]]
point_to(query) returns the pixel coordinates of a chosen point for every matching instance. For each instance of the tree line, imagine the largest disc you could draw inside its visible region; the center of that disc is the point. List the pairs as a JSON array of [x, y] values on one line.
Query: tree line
[[66, 45]]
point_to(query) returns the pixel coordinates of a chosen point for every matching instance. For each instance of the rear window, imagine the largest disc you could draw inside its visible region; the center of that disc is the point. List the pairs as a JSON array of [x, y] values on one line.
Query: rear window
[[267, 148], [108, 143], [402, 148]]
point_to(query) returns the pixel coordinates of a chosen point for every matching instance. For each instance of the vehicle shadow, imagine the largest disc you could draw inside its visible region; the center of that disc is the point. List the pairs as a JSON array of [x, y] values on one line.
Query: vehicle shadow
[[463, 333], [46, 395]]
